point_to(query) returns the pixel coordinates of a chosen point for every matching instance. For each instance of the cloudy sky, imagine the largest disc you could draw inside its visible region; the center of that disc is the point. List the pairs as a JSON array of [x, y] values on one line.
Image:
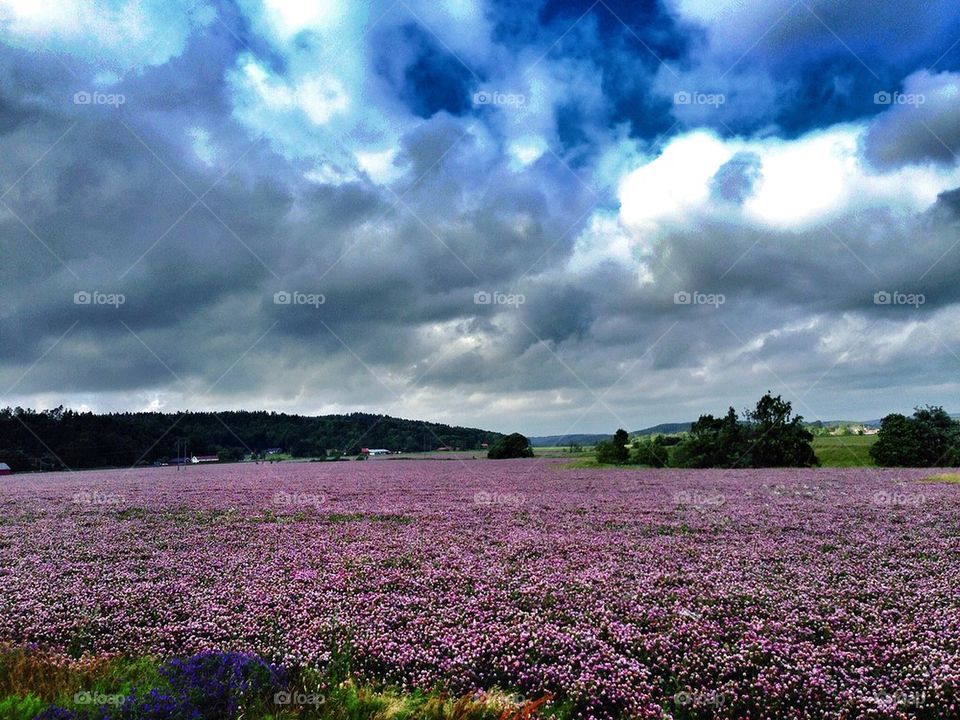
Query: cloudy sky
[[540, 215]]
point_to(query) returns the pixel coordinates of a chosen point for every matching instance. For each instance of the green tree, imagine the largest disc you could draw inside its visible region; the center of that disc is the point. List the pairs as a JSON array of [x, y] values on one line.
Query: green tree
[[230, 454], [614, 451], [651, 452], [769, 436], [776, 438], [714, 442], [931, 437], [514, 445]]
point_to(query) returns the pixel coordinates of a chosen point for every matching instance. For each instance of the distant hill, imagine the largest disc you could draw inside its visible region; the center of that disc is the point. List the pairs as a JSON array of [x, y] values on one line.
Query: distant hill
[[60, 438], [588, 439], [664, 429], [561, 440]]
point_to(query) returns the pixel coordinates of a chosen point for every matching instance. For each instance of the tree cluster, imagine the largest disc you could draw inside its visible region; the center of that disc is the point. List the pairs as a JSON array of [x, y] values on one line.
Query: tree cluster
[[929, 438], [513, 445], [767, 436]]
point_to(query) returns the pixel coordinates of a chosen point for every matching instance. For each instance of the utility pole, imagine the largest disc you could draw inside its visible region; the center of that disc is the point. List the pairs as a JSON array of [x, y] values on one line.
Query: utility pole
[[182, 452]]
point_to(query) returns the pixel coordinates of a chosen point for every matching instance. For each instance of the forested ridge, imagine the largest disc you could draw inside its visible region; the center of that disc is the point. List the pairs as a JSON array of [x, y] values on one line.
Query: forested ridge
[[58, 438]]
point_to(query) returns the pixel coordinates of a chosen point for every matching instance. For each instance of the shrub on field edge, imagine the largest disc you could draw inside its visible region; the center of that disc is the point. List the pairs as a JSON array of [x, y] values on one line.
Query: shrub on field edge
[[651, 452], [514, 445], [929, 438], [614, 451], [231, 686]]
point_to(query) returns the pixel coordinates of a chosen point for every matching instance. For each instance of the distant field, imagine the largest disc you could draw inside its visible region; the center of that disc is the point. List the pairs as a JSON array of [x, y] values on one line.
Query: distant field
[[559, 451], [844, 451]]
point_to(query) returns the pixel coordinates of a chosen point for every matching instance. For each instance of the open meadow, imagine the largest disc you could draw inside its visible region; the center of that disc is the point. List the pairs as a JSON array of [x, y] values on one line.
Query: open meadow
[[830, 593]]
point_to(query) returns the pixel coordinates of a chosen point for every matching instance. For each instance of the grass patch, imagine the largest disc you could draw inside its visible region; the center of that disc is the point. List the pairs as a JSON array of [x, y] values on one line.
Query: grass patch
[[844, 450], [373, 517], [134, 513], [590, 463], [31, 673], [951, 478], [15, 707]]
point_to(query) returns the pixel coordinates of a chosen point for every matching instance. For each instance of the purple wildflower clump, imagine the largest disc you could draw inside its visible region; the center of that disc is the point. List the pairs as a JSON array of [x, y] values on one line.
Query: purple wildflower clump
[[156, 704], [57, 713], [205, 686], [220, 685]]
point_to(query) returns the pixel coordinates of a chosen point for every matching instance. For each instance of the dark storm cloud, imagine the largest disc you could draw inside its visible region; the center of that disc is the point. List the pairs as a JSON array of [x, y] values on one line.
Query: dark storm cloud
[[921, 123], [453, 274], [804, 65]]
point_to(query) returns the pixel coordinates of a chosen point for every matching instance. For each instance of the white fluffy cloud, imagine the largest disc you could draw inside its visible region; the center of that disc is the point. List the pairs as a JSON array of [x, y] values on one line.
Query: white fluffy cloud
[[120, 34], [801, 183]]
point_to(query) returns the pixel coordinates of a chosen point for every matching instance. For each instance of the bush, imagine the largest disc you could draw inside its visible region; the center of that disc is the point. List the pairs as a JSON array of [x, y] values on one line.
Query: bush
[[775, 439], [614, 451], [767, 437], [514, 445], [651, 452], [930, 438], [714, 442]]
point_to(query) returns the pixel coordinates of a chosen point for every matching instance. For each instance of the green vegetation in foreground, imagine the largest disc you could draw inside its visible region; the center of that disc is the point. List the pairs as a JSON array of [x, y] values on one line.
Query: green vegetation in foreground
[[844, 450], [951, 478], [31, 682]]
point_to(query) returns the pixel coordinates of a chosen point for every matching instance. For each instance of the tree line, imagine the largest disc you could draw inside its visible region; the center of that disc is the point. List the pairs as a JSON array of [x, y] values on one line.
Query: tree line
[[62, 438], [769, 435]]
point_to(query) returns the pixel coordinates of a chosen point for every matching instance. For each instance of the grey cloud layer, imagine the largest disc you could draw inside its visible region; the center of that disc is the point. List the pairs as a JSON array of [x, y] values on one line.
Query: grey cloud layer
[[399, 264]]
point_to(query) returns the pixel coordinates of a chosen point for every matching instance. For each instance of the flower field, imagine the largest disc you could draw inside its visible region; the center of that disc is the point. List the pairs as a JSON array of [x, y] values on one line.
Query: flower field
[[624, 593]]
